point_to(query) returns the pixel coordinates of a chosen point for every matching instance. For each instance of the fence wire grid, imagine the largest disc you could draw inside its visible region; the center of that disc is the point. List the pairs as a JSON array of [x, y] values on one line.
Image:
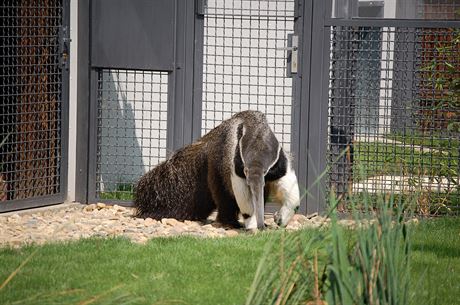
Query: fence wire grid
[[131, 129], [31, 99], [394, 113], [245, 62], [438, 9], [399, 9]]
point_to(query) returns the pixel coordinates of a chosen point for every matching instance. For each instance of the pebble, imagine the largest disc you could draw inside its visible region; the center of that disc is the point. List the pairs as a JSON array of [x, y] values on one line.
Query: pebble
[[150, 222], [103, 220], [169, 222], [232, 233], [100, 205], [208, 227]]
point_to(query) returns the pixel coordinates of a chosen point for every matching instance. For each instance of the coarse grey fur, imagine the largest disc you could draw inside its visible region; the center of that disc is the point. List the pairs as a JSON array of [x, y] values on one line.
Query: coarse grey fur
[[204, 176]]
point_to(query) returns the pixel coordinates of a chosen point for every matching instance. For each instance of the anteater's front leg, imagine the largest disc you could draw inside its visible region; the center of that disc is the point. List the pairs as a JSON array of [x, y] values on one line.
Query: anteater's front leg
[[285, 191]]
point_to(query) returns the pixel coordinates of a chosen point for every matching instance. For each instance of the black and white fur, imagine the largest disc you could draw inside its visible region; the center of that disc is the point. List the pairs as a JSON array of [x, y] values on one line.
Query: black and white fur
[[234, 168]]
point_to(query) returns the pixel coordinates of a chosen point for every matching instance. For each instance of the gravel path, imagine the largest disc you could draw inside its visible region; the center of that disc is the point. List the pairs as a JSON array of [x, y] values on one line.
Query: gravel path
[[82, 221]]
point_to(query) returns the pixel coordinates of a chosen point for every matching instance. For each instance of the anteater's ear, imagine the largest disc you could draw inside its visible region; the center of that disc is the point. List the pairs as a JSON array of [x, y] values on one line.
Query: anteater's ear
[[238, 158], [240, 134]]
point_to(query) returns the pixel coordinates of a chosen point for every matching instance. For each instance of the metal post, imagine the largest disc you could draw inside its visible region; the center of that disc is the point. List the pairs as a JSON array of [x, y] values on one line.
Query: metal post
[[83, 103]]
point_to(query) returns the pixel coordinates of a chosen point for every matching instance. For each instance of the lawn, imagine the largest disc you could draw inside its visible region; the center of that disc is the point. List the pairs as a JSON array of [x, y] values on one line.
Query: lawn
[[436, 262], [378, 159], [195, 271], [439, 159], [123, 191]]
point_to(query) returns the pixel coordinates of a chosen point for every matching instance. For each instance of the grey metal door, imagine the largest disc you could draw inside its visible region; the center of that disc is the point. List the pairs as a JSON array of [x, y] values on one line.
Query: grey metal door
[[253, 58], [34, 103], [140, 68], [244, 62]]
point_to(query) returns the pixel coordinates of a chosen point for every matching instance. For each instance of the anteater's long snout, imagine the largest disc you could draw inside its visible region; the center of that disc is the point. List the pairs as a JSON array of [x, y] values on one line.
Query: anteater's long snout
[[256, 183]]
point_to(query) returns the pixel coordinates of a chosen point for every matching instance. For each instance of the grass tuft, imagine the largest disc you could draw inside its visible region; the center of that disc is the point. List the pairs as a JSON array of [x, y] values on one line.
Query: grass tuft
[[375, 269], [286, 272]]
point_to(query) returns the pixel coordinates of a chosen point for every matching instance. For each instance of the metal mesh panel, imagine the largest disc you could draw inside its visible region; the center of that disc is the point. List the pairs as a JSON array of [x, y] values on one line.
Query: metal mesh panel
[[438, 9], [31, 93], [131, 134], [397, 9], [394, 113], [244, 62]]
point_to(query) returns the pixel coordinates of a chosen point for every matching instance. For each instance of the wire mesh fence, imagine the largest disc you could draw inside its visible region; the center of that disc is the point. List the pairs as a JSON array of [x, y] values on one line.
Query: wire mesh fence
[[401, 9], [393, 99], [31, 98], [394, 114], [438, 9], [131, 128], [245, 62]]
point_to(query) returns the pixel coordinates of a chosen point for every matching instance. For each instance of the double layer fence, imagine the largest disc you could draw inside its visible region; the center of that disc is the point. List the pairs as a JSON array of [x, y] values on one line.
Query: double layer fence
[[32, 105], [394, 108], [365, 92]]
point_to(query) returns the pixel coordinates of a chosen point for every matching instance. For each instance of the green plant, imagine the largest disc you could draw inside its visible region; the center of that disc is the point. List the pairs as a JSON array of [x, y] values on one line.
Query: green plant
[[288, 272], [367, 265], [376, 268], [443, 73]]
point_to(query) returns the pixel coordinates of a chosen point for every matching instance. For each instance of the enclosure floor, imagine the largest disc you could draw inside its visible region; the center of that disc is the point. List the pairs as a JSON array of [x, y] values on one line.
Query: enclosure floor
[[100, 220]]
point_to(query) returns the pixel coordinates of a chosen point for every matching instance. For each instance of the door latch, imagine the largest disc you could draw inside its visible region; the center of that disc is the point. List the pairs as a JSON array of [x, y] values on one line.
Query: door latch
[[65, 47], [292, 54]]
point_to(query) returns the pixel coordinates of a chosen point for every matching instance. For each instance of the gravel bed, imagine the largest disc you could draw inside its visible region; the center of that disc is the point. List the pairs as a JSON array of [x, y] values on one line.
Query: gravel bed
[[100, 220]]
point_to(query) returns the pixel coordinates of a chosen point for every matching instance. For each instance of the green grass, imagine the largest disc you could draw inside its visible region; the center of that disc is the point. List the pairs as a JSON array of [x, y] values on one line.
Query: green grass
[[195, 271], [116, 195], [376, 159], [439, 142], [379, 159], [436, 262], [123, 191], [428, 203]]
